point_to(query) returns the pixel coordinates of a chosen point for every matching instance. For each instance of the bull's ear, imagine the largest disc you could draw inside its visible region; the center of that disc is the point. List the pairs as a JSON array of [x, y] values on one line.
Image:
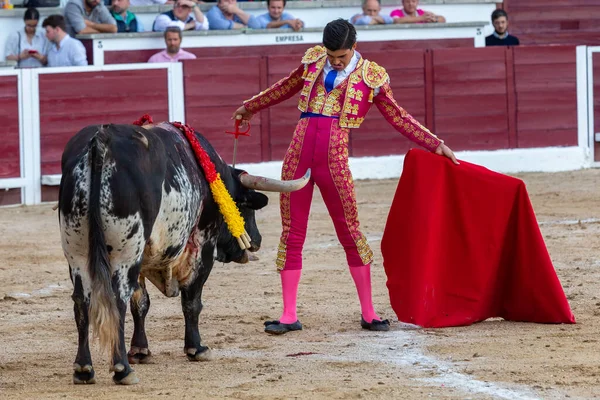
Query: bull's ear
[[254, 200]]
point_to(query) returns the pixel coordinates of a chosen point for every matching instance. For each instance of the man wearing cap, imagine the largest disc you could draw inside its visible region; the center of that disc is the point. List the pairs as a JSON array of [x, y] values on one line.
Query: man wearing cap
[[181, 17]]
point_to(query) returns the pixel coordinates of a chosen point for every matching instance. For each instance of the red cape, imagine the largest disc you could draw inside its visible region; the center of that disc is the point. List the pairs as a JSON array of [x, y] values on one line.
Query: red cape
[[462, 244]]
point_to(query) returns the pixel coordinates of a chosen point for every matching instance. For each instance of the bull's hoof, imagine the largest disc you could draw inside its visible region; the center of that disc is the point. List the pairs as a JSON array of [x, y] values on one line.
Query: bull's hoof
[[83, 375], [139, 356], [124, 375], [201, 354]]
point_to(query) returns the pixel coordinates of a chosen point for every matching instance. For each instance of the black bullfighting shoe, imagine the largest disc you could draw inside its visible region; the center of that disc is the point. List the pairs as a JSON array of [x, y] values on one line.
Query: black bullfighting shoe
[[375, 325], [277, 328]]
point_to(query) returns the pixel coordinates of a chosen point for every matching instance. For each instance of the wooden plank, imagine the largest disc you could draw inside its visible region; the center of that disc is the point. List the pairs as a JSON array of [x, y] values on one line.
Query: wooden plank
[[466, 105], [546, 13], [493, 140], [596, 91], [467, 55], [429, 90], [10, 197], [544, 119], [10, 158], [482, 87], [289, 50], [472, 125], [546, 138], [50, 193], [470, 71], [550, 99], [265, 126], [524, 4], [539, 55], [511, 99], [564, 38], [540, 77]]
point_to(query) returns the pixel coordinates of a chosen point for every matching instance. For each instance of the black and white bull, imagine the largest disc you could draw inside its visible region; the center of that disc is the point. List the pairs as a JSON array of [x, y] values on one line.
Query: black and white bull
[[135, 204]]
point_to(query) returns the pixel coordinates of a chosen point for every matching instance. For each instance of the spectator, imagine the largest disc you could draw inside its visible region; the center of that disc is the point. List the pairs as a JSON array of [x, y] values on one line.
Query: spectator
[[28, 46], [65, 51], [180, 16], [138, 3], [227, 15], [277, 18], [88, 16], [411, 14], [173, 52], [500, 37], [371, 14], [126, 20]]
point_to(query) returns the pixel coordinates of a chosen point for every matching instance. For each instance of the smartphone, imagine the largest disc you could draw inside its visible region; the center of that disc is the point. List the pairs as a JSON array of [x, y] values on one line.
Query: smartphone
[[32, 51]]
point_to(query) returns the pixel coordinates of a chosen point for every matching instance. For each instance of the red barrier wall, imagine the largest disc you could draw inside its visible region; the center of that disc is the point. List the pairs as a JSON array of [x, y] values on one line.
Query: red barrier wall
[[546, 96], [473, 98], [69, 102], [9, 128], [596, 89], [141, 56], [554, 21]]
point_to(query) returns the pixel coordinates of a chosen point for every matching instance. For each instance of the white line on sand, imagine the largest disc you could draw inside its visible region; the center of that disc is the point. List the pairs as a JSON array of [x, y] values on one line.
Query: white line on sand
[[39, 292], [385, 348], [571, 221], [389, 348]]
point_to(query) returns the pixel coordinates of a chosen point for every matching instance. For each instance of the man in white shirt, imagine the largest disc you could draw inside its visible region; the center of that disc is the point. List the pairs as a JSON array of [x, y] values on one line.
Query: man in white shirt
[[65, 51]]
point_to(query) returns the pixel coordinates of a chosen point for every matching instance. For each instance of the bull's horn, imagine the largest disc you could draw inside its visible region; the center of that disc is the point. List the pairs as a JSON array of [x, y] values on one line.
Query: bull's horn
[[274, 185]]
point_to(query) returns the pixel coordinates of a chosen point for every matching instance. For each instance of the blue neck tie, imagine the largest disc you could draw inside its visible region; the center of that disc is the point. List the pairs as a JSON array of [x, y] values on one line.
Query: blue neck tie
[[330, 80]]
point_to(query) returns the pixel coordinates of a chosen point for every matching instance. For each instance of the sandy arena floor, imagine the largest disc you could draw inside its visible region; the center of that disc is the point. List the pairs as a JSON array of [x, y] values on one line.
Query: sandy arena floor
[[493, 359]]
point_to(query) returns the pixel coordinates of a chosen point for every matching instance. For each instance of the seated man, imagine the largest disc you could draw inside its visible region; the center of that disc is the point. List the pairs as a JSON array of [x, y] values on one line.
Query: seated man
[[65, 50], [173, 52], [88, 16], [126, 20], [412, 14], [180, 16], [277, 18], [227, 15], [138, 3], [500, 37], [370, 14]]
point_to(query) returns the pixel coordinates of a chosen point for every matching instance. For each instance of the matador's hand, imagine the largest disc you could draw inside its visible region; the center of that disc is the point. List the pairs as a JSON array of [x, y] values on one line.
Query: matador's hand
[[444, 150], [243, 114]]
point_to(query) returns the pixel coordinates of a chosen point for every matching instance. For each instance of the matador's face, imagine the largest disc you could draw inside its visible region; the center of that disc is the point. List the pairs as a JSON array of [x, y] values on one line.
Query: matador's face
[[340, 59]]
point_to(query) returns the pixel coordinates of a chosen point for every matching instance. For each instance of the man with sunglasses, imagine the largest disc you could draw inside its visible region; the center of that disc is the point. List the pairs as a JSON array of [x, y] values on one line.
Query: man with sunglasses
[[181, 16]]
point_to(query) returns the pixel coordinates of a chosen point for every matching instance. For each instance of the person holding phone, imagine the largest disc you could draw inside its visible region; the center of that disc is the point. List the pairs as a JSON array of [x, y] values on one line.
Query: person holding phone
[[28, 46]]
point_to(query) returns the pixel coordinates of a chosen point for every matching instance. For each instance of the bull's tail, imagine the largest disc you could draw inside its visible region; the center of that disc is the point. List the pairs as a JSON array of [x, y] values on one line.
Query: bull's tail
[[104, 315]]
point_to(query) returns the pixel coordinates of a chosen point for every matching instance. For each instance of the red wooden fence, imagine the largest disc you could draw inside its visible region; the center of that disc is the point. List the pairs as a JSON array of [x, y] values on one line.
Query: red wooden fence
[[69, 102], [9, 132], [475, 99], [596, 89], [555, 21], [140, 56]]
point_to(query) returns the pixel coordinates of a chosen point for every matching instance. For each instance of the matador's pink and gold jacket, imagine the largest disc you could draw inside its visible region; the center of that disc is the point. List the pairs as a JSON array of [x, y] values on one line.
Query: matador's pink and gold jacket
[[349, 101]]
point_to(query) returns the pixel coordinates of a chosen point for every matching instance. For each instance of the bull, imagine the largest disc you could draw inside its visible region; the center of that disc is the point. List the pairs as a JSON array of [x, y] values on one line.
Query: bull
[[133, 205]]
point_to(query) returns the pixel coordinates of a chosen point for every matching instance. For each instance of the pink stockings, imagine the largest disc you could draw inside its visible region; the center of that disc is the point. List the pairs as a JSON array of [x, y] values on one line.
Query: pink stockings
[[320, 144], [290, 280]]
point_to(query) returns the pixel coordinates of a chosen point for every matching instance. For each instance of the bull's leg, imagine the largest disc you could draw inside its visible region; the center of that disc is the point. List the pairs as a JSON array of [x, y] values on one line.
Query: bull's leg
[[83, 370], [191, 302], [123, 287], [140, 304]]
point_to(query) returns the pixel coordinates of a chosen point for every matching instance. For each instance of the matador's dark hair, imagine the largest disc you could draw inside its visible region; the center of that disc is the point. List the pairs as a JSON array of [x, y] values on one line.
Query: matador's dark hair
[[339, 34]]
